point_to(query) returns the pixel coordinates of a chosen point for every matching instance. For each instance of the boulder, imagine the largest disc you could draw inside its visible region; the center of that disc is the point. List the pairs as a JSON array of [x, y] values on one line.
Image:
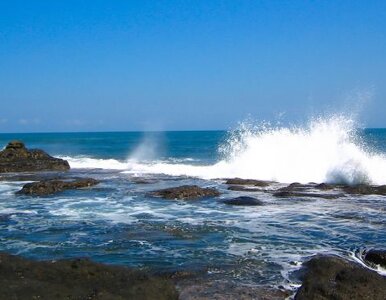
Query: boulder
[[47, 187], [17, 158], [78, 279], [243, 201], [331, 277], [376, 257], [186, 192]]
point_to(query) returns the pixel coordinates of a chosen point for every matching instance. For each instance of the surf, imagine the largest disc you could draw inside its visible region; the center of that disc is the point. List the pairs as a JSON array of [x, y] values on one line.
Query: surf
[[327, 150]]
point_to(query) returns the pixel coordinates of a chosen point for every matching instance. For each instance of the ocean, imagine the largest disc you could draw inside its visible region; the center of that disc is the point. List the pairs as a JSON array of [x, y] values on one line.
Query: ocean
[[119, 222]]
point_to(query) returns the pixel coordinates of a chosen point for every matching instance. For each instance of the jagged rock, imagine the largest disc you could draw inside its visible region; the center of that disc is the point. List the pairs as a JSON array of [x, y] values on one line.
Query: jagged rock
[[377, 257], [330, 277], [78, 279], [17, 158], [47, 187], [243, 201], [186, 192], [253, 182]]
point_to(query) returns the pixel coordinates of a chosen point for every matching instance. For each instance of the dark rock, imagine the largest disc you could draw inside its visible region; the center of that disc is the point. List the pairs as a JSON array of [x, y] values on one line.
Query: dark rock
[[240, 188], [220, 290], [186, 192], [16, 158], [243, 201], [324, 186], [77, 279], [47, 187], [377, 257], [253, 182], [305, 190], [364, 189], [293, 194], [330, 277]]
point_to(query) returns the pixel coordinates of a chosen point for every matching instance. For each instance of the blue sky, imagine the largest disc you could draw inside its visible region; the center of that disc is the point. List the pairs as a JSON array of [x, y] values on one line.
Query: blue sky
[[186, 65]]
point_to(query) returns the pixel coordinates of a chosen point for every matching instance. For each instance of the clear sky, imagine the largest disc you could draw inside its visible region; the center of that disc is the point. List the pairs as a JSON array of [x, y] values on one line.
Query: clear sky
[[76, 65]]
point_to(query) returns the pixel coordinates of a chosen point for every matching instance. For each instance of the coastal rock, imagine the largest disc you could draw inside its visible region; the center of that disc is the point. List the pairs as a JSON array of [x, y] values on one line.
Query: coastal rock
[[305, 190], [330, 277], [17, 158], [78, 279], [240, 188], [243, 201], [228, 291], [47, 187], [377, 257], [364, 189], [253, 182], [186, 192]]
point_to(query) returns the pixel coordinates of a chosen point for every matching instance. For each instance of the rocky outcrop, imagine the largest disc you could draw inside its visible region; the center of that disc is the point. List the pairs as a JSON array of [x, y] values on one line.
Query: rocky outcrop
[[78, 279], [243, 201], [186, 192], [48, 187], [330, 277], [375, 257], [364, 189], [17, 158]]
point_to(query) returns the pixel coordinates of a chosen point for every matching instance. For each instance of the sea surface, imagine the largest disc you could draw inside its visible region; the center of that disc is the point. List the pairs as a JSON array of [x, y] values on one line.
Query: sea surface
[[118, 222]]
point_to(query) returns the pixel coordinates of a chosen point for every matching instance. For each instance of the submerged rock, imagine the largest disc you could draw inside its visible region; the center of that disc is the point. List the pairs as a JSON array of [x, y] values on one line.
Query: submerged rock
[[17, 158], [243, 201], [78, 279], [253, 182], [377, 257], [330, 277], [47, 187], [186, 192]]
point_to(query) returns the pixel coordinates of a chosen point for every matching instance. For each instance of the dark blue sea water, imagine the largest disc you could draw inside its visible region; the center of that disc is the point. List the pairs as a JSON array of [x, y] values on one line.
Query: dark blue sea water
[[118, 222]]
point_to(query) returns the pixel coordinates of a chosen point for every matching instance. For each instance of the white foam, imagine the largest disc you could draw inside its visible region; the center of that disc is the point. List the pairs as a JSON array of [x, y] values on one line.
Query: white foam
[[325, 150], [95, 163]]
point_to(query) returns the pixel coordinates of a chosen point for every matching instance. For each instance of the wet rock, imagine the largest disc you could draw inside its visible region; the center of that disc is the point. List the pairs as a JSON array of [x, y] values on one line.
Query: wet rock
[[377, 257], [48, 187], [77, 279], [364, 189], [228, 291], [324, 186], [330, 277], [186, 192], [253, 182], [17, 158], [243, 201], [293, 194], [305, 190], [240, 188]]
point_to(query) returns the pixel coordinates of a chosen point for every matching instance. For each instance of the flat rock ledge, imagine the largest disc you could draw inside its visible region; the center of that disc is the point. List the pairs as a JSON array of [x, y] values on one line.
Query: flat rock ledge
[[186, 192], [48, 187], [331, 277], [78, 279], [17, 158]]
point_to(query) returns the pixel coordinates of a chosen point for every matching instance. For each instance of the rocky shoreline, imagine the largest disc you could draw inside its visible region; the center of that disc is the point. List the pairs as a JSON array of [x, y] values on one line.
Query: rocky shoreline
[[323, 277]]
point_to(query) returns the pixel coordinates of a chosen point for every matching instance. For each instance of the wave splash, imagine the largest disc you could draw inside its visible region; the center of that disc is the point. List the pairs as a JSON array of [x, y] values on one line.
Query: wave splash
[[325, 150]]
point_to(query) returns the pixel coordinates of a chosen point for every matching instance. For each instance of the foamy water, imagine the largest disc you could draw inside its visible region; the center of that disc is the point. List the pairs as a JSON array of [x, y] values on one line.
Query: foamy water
[[325, 150]]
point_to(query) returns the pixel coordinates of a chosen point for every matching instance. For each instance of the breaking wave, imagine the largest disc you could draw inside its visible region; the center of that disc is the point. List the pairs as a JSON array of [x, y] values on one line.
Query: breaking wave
[[325, 150]]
